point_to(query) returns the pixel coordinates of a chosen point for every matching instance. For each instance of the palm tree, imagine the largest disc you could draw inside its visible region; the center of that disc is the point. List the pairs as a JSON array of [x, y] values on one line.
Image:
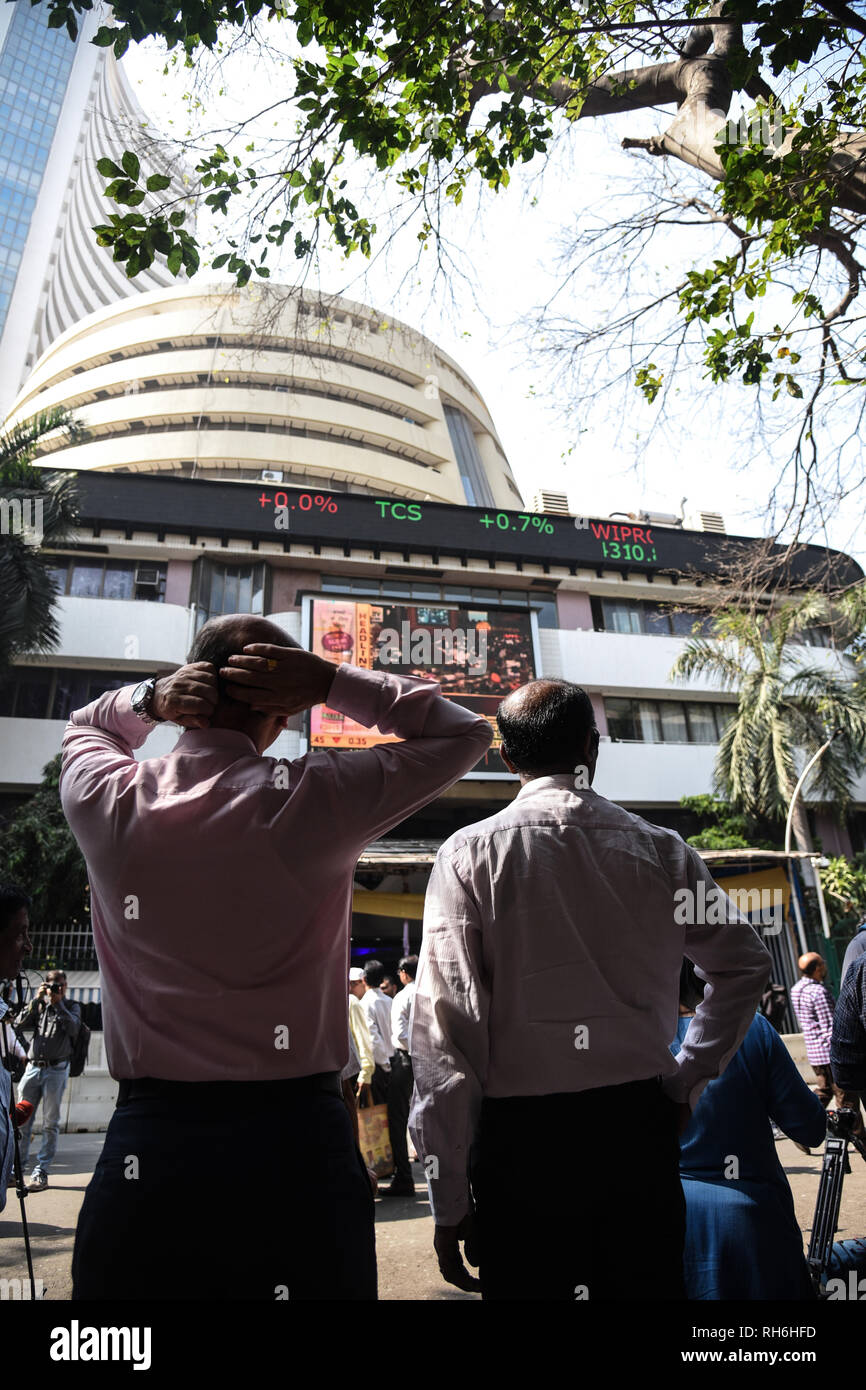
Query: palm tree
[[27, 592], [786, 708]]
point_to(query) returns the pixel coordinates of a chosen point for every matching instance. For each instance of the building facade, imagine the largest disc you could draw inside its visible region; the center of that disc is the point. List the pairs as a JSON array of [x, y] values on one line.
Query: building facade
[[211, 382], [156, 556], [63, 106]]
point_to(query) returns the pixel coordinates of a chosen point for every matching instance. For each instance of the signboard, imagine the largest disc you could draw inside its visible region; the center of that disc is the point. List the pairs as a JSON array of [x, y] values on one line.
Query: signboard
[[476, 654], [206, 508]]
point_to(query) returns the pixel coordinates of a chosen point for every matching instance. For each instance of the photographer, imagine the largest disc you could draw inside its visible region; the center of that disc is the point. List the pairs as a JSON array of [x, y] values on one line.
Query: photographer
[[14, 946], [55, 1026]]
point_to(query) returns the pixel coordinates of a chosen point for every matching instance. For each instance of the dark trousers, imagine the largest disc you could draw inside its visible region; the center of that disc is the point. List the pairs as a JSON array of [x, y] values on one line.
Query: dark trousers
[[174, 1212], [578, 1196], [399, 1100], [379, 1083]]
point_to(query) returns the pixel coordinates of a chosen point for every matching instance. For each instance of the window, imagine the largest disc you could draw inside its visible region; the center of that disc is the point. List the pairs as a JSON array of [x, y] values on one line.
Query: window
[[666, 721], [476, 488], [229, 589], [702, 723], [620, 616], [673, 718], [652, 619], [94, 578], [119, 580], [26, 692], [74, 689], [85, 580], [41, 692], [620, 720], [546, 610]]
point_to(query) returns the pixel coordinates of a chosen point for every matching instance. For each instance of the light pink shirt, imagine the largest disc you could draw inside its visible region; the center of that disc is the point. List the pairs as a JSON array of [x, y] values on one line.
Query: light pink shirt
[[221, 881], [550, 962]]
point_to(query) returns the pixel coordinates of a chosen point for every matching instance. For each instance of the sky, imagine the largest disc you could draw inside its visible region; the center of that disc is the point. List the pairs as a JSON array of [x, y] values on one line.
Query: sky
[[607, 455]]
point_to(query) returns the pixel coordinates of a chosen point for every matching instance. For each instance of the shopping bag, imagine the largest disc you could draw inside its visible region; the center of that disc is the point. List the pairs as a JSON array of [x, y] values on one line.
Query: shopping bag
[[375, 1141]]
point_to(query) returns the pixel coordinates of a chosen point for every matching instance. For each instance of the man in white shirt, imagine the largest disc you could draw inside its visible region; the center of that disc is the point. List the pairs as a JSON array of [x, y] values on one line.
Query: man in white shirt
[[546, 999], [360, 1036], [377, 1007], [400, 1085]]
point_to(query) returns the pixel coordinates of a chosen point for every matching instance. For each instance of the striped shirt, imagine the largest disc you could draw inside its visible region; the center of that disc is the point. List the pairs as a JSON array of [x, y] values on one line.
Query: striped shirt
[[813, 1005]]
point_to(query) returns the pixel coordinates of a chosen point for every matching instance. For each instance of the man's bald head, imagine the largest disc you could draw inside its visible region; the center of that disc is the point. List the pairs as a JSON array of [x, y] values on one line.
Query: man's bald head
[[547, 727], [813, 965]]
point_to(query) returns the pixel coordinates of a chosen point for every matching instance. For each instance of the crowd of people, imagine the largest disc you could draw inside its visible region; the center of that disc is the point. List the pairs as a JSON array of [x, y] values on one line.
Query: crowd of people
[[559, 1005]]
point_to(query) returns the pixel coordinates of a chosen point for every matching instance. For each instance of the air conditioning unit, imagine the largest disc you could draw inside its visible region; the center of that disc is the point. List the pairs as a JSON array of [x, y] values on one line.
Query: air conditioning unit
[[147, 577], [556, 503], [270, 475], [707, 521]]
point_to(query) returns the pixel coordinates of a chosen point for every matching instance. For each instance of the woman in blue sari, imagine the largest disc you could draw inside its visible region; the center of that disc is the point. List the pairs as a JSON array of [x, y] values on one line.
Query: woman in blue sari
[[742, 1237]]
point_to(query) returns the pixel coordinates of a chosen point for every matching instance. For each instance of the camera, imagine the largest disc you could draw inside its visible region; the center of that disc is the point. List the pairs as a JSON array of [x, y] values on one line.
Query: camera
[[840, 1123]]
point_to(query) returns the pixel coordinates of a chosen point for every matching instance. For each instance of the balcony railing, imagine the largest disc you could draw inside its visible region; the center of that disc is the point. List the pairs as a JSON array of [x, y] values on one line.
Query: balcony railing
[[62, 948]]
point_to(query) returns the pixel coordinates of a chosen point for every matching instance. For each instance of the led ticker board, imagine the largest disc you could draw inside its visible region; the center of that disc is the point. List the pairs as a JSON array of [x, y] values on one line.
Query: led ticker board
[[476, 654], [318, 517]]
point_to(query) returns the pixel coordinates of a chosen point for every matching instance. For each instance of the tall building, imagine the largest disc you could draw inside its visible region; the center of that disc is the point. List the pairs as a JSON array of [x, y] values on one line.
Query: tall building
[[63, 105], [212, 382]]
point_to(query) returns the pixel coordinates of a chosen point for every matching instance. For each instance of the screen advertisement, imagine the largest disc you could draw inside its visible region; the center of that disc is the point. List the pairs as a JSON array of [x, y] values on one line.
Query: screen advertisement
[[478, 655]]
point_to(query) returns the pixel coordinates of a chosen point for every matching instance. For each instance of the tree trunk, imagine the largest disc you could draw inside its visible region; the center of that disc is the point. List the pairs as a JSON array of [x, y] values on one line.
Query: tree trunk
[[699, 83]]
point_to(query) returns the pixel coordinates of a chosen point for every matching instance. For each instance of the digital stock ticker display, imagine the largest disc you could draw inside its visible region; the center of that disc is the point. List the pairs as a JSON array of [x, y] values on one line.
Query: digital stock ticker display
[[204, 508]]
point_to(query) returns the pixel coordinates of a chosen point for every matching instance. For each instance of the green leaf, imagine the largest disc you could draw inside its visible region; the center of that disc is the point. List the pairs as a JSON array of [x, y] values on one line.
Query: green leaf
[[157, 182], [131, 165], [174, 259], [108, 169]]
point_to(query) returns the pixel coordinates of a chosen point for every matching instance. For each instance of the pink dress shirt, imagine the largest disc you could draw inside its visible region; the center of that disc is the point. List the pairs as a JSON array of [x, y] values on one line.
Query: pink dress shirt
[[221, 881]]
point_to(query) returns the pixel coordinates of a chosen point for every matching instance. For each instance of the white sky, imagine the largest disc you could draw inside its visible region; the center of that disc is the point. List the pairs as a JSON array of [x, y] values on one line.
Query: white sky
[[601, 455]]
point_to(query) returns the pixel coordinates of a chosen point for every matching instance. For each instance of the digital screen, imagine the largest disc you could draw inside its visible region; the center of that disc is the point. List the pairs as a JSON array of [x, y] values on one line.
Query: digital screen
[[477, 656], [208, 509], [531, 532]]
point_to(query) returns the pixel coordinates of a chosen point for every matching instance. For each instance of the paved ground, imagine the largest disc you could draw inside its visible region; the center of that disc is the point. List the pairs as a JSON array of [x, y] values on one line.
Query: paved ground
[[404, 1234]]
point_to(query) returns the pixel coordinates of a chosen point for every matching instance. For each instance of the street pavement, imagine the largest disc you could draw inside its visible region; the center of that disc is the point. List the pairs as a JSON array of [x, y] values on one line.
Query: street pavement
[[404, 1227]]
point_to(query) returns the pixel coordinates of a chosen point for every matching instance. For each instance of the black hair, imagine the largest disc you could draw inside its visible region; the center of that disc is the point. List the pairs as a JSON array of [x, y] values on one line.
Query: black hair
[[12, 899], [547, 730], [218, 640], [691, 988], [409, 964], [374, 973]]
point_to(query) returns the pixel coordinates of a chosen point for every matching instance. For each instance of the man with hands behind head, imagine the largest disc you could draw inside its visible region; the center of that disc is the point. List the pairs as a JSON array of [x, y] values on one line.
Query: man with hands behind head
[[221, 887]]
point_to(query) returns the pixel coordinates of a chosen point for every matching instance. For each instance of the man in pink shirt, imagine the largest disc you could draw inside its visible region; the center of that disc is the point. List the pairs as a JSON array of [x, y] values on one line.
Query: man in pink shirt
[[221, 891]]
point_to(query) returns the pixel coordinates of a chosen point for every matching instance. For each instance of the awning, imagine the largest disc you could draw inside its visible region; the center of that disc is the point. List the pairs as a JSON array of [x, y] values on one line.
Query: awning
[[399, 854], [84, 986]]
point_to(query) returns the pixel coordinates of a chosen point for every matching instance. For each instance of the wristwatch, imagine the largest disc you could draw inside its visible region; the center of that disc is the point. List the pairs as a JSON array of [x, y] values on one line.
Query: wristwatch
[[142, 697]]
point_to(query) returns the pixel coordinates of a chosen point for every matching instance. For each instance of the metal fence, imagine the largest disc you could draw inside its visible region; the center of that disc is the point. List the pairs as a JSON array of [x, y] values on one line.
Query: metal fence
[[62, 948]]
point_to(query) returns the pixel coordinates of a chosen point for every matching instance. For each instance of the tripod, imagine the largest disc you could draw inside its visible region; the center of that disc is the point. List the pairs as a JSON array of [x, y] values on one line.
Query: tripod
[[840, 1125]]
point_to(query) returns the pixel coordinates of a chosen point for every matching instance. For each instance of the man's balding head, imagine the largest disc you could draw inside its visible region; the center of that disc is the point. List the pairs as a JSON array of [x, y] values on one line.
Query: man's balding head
[[223, 637], [227, 636], [813, 965], [548, 727]]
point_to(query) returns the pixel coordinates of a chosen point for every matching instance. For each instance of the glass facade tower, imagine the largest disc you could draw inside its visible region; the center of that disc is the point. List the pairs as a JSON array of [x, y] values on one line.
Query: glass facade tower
[[35, 64]]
